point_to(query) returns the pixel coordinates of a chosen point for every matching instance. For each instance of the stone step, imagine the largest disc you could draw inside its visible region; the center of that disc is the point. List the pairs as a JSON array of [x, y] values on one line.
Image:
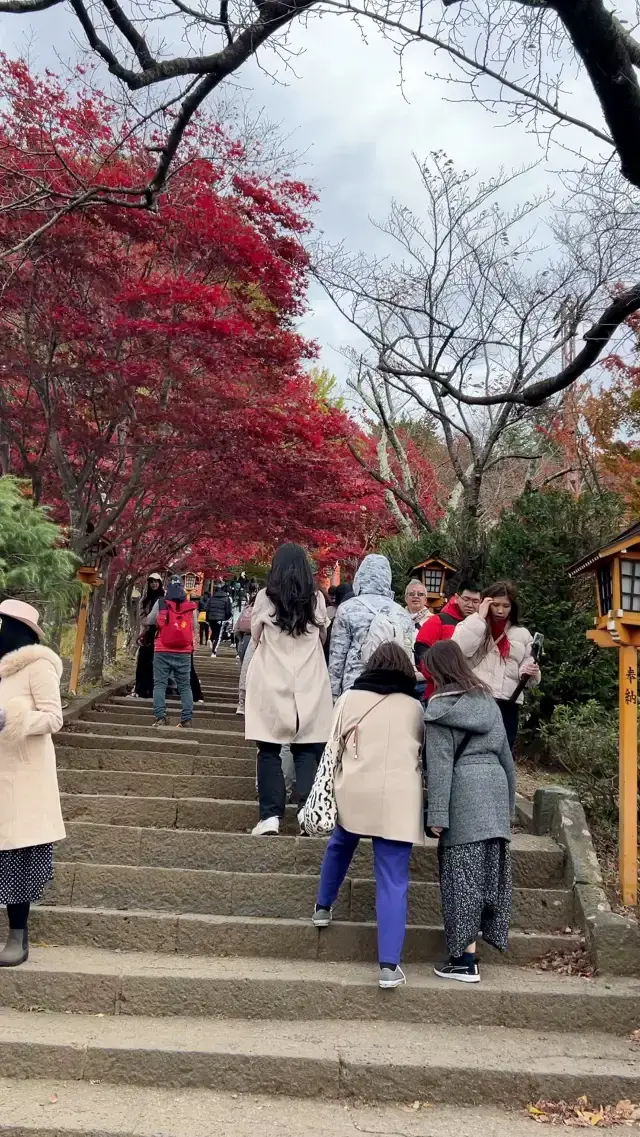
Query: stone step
[[325, 1059], [81, 1109], [202, 719], [168, 813], [274, 895], [189, 934], [167, 741], [227, 738], [144, 706], [227, 788], [152, 762], [537, 862], [90, 981]]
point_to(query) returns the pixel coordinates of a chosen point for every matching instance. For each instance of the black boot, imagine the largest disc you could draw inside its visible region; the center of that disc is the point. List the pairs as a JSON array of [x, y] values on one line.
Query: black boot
[[16, 949]]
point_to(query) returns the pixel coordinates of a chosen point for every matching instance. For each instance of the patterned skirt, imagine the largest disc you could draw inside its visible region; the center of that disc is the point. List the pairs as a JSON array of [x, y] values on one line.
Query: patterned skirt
[[475, 885], [25, 873]]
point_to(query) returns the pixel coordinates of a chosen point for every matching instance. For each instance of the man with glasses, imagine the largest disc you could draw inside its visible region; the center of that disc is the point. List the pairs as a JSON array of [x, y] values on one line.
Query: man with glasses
[[415, 598], [464, 602]]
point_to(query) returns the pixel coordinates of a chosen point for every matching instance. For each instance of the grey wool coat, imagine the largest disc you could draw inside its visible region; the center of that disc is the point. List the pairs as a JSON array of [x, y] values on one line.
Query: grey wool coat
[[476, 800], [373, 594]]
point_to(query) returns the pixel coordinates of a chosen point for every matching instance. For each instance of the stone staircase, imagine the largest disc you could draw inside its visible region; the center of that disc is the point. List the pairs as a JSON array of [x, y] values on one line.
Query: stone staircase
[[176, 951]]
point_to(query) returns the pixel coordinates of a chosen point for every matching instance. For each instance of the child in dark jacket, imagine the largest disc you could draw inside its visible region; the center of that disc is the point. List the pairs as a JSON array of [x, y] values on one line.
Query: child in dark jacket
[[472, 786]]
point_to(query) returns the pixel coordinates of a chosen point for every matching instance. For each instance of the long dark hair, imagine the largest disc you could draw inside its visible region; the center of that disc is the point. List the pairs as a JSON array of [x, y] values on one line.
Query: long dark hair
[[450, 671], [291, 590], [14, 635], [507, 589], [342, 592], [149, 598], [501, 588]]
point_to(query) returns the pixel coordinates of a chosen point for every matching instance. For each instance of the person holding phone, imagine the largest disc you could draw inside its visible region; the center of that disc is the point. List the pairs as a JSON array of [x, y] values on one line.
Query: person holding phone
[[499, 650]]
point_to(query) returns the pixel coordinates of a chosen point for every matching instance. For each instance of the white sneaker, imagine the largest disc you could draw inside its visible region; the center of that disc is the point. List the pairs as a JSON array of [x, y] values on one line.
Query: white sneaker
[[270, 827]]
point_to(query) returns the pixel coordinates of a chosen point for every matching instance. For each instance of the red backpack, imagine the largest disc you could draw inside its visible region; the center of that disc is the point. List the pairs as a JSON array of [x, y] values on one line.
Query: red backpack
[[175, 626]]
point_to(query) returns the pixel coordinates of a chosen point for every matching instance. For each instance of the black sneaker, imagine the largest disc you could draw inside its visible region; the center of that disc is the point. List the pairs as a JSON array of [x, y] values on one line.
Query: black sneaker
[[185, 725], [161, 722], [464, 970]]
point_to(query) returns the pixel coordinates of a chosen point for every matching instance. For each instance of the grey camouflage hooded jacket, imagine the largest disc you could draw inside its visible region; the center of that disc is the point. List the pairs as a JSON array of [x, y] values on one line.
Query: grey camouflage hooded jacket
[[373, 594]]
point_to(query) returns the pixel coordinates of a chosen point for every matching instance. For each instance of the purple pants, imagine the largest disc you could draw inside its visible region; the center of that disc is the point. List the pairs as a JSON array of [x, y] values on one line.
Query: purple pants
[[391, 870]]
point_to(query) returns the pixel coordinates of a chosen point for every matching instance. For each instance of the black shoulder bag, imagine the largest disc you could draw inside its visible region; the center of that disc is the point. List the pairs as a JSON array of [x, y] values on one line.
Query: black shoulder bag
[[459, 751]]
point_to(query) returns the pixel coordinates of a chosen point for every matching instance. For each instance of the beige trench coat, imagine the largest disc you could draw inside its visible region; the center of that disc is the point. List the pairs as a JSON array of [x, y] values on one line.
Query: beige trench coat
[[30, 811], [378, 784], [288, 691]]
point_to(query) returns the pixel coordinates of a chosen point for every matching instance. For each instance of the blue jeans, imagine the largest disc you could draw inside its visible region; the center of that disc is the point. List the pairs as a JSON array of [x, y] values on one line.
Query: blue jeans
[[391, 870], [166, 664]]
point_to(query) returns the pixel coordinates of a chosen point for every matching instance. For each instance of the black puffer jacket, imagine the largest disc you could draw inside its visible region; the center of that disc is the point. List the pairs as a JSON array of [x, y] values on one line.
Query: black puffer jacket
[[219, 607]]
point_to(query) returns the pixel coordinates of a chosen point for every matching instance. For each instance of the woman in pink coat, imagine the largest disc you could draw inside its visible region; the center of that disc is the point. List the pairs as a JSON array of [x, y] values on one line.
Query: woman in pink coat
[[30, 814]]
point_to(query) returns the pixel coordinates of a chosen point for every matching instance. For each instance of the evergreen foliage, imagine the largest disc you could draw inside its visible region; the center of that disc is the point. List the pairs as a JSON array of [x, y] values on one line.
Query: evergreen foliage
[[33, 564]]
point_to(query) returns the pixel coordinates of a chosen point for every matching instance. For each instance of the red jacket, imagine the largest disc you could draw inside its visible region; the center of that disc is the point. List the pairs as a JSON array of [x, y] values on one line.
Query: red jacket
[[434, 629]]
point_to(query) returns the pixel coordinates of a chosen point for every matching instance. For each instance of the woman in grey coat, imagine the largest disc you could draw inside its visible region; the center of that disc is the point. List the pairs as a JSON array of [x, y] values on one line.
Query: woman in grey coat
[[472, 788]]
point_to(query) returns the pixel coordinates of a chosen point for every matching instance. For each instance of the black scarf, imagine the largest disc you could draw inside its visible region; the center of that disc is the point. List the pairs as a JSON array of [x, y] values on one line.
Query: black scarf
[[383, 682]]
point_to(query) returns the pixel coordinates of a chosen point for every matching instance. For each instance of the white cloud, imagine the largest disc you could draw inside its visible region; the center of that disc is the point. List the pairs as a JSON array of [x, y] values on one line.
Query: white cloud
[[345, 110]]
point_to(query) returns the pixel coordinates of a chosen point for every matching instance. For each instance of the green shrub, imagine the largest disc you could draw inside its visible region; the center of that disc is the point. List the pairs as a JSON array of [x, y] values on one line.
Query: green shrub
[[583, 740]]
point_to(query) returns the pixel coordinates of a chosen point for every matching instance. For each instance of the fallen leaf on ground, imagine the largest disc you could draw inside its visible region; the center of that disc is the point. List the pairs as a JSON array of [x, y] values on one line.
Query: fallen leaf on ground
[[583, 1115], [574, 962]]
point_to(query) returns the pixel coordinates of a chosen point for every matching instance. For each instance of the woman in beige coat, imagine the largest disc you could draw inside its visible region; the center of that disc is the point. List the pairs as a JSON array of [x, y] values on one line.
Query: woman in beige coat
[[378, 788], [288, 697], [30, 814]]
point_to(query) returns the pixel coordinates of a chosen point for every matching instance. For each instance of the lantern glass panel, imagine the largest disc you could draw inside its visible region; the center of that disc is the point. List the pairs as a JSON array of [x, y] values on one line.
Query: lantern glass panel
[[630, 573], [605, 588], [433, 580]]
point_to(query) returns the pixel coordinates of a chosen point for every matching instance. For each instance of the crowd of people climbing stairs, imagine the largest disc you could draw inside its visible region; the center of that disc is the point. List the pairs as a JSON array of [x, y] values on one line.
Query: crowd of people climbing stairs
[[378, 721]]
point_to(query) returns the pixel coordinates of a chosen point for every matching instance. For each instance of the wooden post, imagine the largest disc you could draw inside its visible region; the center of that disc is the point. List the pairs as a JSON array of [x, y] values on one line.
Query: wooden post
[[80, 634], [628, 850]]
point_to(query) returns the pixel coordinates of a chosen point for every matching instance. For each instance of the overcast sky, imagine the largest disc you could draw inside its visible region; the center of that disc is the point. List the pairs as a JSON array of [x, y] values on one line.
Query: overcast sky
[[345, 111]]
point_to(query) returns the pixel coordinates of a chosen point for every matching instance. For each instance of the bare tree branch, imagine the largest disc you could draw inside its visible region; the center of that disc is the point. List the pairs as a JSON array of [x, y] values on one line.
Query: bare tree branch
[[597, 338]]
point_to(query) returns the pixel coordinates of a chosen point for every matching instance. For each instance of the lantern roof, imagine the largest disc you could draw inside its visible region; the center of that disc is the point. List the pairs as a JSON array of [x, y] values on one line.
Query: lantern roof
[[434, 561], [630, 538]]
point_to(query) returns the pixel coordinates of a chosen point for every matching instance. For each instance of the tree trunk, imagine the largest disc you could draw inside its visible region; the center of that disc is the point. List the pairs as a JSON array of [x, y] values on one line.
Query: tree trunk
[[114, 613], [53, 620], [133, 628], [94, 642]]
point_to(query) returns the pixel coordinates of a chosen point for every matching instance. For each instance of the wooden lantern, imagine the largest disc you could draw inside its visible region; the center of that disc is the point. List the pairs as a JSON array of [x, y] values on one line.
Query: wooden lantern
[[616, 570], [434, 574]]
